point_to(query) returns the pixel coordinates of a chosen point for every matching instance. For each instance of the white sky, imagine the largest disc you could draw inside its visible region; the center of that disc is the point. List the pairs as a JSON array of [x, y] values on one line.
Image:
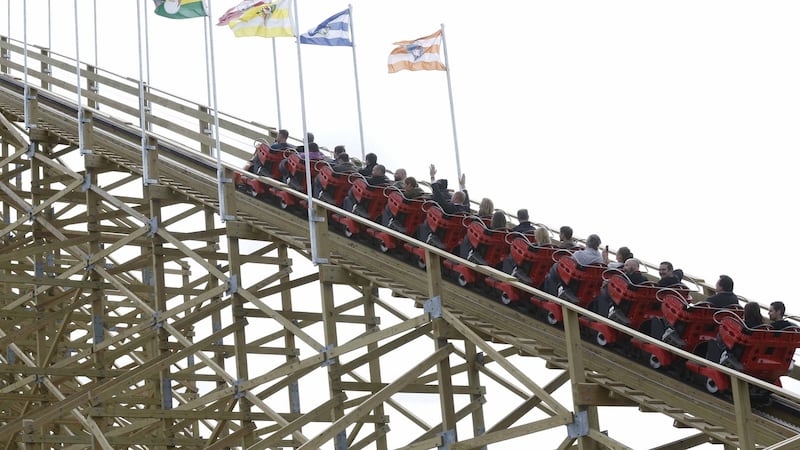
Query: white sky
[[668, 127]]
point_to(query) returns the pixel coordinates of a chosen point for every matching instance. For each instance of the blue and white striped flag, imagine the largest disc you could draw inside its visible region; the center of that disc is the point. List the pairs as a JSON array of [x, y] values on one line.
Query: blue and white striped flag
[[335, 31]]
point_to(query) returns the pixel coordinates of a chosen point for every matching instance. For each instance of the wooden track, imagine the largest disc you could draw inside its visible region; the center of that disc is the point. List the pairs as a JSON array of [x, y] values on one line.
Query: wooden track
[[132, 317]]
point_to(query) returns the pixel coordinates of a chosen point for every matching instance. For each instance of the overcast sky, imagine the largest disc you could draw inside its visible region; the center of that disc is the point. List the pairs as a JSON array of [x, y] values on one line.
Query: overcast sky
[[669, 127]]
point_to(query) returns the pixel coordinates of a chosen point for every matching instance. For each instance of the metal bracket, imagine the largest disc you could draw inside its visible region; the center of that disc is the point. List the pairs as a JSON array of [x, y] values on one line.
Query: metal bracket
[[233, 285], [31, 150], [328, 359], [237, 393], [208, 131], [157, 320], [153, 224], [38, 269], [87, 182], [579, 426], [89, 264], [433, 307], [97, 328], [448, 439]]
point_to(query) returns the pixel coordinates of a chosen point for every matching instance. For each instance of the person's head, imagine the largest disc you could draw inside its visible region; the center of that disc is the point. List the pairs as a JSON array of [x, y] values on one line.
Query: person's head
[[310, 137], [313, 147], [459, 198], [486, 208], [752, 313], [342, 158], [410, 183], [624, 254], [379, 170], [542, 236], [776, 311], [593, 241], [283, 135], [371, 158], [725, 284], [338, 150], [631, 265], [498, 220], [565, 233], [522, 215], [400, 174], [665, 269]]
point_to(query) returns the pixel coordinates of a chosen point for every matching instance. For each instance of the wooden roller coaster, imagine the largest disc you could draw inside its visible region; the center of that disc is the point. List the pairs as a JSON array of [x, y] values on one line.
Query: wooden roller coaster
[[133, 317]]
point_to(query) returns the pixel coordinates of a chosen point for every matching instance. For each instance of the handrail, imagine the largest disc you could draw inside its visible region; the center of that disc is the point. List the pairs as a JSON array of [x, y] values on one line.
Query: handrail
[[181, 149]]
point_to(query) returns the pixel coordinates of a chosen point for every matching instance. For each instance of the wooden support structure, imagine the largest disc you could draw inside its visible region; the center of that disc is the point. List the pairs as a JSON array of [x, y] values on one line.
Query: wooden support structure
[[133, 316]]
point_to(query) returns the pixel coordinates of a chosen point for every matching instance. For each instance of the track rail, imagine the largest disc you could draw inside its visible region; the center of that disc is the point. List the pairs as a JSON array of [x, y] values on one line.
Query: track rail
[[193, 175]]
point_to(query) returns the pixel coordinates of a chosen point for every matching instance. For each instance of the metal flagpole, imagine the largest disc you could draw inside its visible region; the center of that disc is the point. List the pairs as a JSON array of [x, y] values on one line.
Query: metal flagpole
[[358, 92], [49, 28], [222, 211], [311, 218], [277, 86], [142, 104], [452, 109], [93, 83], [81, 150], [27, 88]]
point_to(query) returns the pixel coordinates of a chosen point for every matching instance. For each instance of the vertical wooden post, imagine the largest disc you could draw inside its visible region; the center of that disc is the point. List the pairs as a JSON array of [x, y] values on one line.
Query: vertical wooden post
[[744, 413], [46, 70], [5, 55], [585, 417], [443, 372], [91, 87]]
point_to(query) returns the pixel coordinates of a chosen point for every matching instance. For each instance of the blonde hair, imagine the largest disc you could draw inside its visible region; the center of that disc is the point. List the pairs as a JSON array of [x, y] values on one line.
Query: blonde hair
[[542, 236], [486, 208]]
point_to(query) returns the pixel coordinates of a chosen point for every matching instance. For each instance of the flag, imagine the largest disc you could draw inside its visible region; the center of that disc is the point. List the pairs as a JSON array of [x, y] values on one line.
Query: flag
[[334, 31], [419, 54], [266, 20], [180, 9], [238, 10]]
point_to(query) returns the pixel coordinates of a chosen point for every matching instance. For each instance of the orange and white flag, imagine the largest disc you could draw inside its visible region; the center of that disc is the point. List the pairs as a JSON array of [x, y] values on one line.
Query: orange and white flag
[[419, 54]]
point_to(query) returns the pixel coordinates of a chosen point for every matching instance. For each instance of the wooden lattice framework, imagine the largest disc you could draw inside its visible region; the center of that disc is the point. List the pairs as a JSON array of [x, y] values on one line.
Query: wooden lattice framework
[[133, 317]]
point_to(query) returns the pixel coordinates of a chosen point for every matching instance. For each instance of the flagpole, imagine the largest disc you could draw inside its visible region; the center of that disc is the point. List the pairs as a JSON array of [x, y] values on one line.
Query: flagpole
[[142, 104], [358, 92], [311, 218], [452, 109], [223, 214], [277, 87]]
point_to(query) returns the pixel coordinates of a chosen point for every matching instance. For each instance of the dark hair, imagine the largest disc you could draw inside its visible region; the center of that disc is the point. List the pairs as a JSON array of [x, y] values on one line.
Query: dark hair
[[522, 215], [566, 231], [668, 264], [338, 149], [343, 157], [752, 314], [726, 283], [371, 158], [625, 252], [593, 241], [283, 133], [310, 137], [779, 307], [411, 181], [498, 220]]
